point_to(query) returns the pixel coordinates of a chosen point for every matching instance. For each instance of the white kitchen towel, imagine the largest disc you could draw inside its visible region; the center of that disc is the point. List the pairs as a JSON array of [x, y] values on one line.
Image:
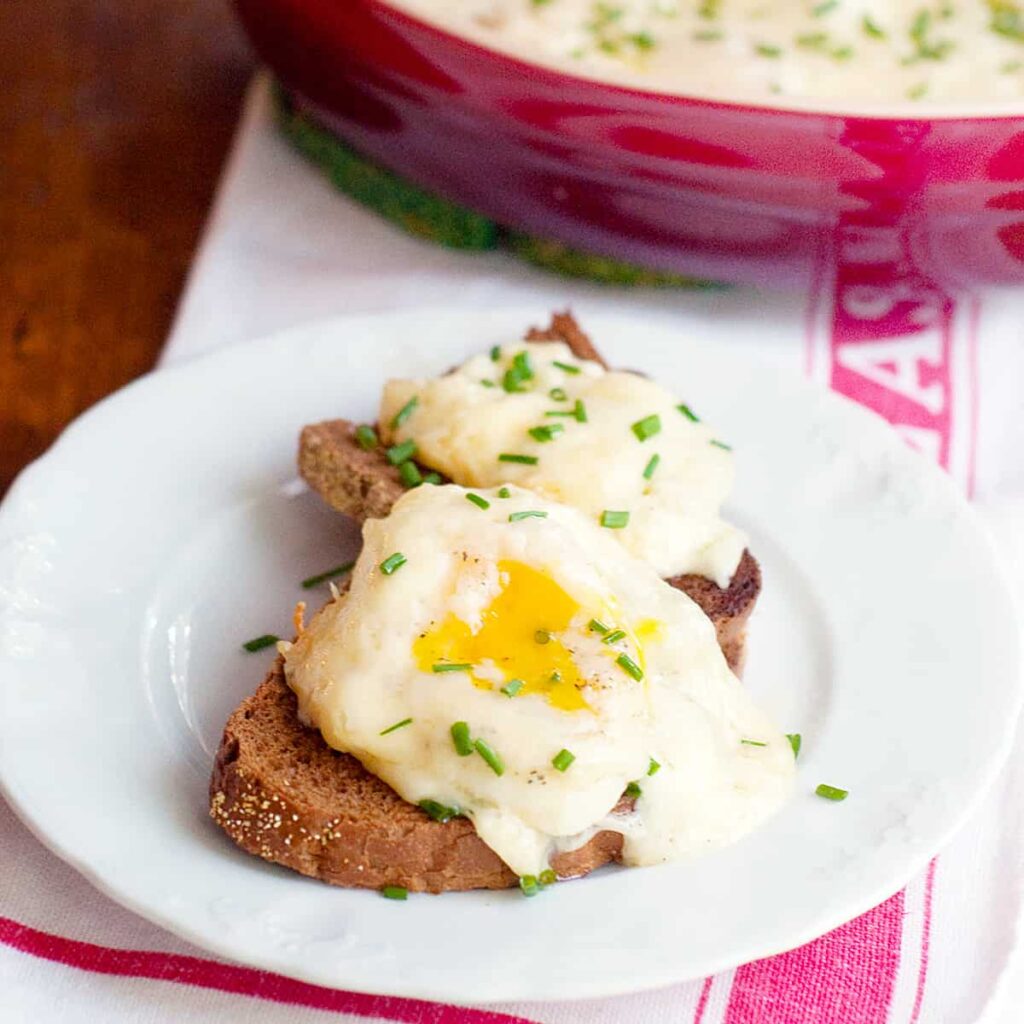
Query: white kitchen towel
[[947, 370]]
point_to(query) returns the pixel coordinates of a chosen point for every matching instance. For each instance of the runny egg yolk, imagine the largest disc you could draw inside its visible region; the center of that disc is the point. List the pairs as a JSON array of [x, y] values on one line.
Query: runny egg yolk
[[519, 636]]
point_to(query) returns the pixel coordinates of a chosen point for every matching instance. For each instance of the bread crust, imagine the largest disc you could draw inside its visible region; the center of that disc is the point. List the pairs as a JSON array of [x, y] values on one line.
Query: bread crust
[[280, 792]]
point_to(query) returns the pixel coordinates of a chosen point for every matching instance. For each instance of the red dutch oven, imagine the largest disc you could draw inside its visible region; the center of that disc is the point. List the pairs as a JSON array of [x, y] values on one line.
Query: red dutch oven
[[715, 190]]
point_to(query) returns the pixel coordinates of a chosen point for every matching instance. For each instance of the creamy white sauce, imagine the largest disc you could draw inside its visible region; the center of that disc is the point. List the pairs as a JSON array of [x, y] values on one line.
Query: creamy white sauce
[[461, 429], [355, 673], [878, 51]]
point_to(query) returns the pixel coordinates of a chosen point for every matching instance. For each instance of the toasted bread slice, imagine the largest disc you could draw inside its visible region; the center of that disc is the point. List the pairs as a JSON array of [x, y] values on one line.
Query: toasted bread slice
[[364, 485], [280, 792]]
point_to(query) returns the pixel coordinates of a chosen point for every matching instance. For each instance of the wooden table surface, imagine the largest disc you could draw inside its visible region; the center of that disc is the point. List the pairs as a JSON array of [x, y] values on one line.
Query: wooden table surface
[[115, 120]]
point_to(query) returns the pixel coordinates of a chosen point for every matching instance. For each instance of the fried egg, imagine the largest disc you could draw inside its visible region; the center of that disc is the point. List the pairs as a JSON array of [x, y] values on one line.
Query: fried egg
[[602, 441], [507, 659]]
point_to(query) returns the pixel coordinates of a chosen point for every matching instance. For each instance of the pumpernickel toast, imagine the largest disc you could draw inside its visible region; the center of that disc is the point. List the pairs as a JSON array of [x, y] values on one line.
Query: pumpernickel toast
[[364, 485]]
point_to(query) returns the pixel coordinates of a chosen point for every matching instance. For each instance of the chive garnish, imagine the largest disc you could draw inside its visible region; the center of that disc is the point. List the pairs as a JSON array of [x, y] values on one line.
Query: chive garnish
[[831, 792], [529, 885], [547, 877], [548, 432], [871, 28], [795, 739], [531, 513], [461, 739], [398, 725], [478, 501], [613, 637], [523, 460], [410, 475], [432, 478], [519, 372], [563, 759], [399, 453], [521, 361], [597, 626], [614, 520], [567, 367], [722, 444], [405, 412], [767, 50], [512, 687], [824, 8], [393, 563], [629, 666], [487, 383], [542, 636], [258, 643], [504, 492], [570, 413], [633, 790], [438, 811], [647, 427], [452, 666], [323, 577], [395, 892], [651, 466], [495, 763], [688, 412], [558, 394], [753, 743], [580, 411], [366, 437], [652, 768], [495, 352]]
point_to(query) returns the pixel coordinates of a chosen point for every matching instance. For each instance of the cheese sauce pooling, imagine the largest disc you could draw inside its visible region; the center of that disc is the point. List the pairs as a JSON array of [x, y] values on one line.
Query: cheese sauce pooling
[[615, 666], [860, 50], [604, 442]]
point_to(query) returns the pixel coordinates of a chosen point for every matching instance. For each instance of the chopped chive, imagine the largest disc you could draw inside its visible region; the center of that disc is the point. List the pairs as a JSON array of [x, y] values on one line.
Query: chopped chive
[[478, 501], [393, 563], [398, 725], [395, 892], [753, 743], [567, 367], [521, 362], [558, 394], [432, 478], [529, 885], [523, 460], [484, 749], [410, 475], [633, 790], [824, 8], [258, 643], [767, 50], [651, 466], [722, 445], [597, 626], [546, 433], [563, 759], [532, 513], [647, 427], [795, 739], [580, 411], [399, 453], [688, 412], [542, 636], [452, 666], [488, 383], [323, 577], [614, 520], [438, 811], [461, 739], [495, 352], [652, 768], [872, 28], [569, 413], [832, 792], [629, 666], [547, 877], [556, 677], [405, 412], [504, 492], [366, 437], [613, 637], [512, 687]]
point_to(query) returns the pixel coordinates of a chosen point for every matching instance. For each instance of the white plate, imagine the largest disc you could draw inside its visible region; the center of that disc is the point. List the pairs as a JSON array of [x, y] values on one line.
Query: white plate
[[165, 527]]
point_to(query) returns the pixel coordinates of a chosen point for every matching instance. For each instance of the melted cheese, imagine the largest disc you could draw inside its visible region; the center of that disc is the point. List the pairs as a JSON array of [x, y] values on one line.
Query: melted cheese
[[594, 459], [516, 600]]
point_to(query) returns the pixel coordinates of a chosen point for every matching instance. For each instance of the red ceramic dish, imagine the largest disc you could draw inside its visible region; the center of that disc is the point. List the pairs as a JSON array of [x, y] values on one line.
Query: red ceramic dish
[[716, 190]]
